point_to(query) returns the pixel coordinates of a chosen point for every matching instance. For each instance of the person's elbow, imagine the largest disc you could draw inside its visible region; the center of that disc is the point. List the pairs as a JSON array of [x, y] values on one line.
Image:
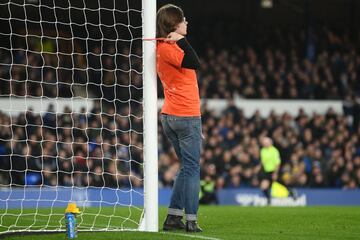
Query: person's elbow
[[190, 61], [197, 65]]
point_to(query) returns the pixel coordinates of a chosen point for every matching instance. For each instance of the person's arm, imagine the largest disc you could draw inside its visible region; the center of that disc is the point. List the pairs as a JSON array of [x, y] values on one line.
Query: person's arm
[[278, 163], [275, 174], [190, 59]]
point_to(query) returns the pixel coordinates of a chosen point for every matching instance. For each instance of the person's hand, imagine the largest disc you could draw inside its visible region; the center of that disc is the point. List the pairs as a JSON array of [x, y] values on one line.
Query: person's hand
[[173, 37]]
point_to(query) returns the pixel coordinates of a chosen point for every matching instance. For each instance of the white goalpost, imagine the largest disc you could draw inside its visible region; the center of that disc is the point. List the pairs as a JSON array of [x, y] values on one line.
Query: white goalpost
[[150, 116], [78, 115]]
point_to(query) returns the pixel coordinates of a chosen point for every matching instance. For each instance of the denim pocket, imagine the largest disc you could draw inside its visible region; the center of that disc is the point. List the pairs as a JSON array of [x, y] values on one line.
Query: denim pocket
[[196, 126]]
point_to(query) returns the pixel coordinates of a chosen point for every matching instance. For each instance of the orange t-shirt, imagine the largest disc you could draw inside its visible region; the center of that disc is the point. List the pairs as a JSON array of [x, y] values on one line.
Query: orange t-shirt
[[180, 84]]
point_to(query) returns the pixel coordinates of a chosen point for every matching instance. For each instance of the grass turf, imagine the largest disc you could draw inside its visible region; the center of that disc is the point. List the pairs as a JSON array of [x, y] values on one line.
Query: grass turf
[[218, 222]]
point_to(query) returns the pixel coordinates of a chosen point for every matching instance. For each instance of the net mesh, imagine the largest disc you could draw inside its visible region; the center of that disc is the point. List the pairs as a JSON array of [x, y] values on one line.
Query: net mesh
[[71, 114]]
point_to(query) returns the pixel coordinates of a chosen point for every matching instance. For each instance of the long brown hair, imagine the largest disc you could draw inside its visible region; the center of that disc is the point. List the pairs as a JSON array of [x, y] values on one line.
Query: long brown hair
[[167, 18]]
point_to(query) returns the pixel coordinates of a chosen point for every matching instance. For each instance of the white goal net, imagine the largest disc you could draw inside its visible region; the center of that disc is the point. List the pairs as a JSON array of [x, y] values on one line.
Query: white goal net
[[71, 114]]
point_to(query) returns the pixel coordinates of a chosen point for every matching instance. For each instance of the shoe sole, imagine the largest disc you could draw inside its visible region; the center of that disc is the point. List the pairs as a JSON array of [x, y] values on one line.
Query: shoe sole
[[172, 228]]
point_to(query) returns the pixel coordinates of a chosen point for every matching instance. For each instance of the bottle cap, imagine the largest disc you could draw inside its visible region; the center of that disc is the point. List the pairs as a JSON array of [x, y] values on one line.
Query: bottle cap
[[71, 208]]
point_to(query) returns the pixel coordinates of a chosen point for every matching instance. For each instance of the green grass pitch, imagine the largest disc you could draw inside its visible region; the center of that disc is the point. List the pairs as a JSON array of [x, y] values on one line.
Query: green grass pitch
[[218, 222]]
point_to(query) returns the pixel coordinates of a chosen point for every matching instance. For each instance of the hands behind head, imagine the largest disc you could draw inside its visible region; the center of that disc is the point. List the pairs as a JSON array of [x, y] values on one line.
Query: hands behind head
[[173, 37]]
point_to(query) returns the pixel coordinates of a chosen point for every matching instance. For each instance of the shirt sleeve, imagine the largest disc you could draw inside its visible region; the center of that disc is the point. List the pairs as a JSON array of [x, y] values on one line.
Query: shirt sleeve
[[190, 60], [172, 54]]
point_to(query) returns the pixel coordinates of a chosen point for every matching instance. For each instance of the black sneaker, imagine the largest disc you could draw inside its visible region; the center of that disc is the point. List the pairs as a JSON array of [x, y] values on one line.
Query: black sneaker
[[192, 226], [173, 222]]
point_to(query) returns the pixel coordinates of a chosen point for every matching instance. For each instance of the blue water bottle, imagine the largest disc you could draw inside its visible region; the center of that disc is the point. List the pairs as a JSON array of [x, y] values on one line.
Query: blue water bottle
[[70, 220]]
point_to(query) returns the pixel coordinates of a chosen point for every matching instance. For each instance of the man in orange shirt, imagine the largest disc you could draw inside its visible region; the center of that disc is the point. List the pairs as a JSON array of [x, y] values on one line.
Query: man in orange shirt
[[181, 117]]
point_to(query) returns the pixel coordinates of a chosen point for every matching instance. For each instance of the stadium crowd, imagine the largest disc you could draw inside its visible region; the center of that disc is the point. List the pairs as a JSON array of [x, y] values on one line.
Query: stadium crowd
[[40, 71], [282, 68], [76, 148], [316, 151], [71, 149]]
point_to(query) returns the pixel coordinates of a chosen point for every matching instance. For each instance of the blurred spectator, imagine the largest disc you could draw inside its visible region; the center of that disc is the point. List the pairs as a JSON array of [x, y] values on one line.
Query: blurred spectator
[[208, 191]]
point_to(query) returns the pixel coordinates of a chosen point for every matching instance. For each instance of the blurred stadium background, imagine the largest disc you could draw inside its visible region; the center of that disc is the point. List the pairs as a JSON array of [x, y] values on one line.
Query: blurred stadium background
[[288, 69]]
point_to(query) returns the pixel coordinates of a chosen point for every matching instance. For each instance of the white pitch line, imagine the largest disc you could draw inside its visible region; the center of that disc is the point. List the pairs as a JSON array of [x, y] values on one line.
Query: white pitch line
[[190, 235], [166, 233]]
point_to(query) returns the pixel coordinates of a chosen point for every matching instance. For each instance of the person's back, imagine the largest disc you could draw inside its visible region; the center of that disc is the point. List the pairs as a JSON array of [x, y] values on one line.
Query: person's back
[[270, 158], [180, 84]]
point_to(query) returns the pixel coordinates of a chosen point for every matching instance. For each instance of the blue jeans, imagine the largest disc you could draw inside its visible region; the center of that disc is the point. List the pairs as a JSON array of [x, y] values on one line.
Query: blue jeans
[[185, 135]]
